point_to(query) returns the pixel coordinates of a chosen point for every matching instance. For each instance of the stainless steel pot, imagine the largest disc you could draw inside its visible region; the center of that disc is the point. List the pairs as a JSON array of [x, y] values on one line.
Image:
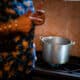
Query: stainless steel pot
[[56, 49]]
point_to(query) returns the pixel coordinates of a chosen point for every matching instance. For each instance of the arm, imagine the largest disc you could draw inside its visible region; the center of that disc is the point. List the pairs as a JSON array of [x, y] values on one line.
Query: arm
[[37, 16], [10, 11], [21, 24]]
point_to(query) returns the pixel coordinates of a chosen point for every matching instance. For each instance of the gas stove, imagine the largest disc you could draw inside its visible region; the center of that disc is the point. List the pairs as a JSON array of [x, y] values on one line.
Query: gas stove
[[70, 70]]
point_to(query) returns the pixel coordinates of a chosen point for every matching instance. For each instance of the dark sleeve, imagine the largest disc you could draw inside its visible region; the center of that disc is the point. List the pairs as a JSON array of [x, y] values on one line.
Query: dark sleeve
[[2, 10], [4, 16]]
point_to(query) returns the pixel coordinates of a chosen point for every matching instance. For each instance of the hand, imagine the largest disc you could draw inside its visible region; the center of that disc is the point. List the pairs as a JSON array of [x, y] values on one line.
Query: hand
[[11, 11], [38, 18]]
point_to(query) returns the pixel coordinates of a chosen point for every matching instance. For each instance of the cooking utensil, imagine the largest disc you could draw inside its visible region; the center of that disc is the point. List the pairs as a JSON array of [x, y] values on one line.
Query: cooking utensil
[[56, 50]]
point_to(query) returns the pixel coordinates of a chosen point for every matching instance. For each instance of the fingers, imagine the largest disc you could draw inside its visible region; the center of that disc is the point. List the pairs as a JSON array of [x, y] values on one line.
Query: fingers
[[42, 11], [38, 17], [35, 18], [11, 11]]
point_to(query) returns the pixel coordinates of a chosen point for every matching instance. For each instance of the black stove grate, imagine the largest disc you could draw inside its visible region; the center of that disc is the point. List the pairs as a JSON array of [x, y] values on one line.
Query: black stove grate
[[72, 68]]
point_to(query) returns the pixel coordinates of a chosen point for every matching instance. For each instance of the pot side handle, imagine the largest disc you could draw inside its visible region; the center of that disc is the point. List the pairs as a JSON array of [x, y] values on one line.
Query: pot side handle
[[73, 43], [41, 38]]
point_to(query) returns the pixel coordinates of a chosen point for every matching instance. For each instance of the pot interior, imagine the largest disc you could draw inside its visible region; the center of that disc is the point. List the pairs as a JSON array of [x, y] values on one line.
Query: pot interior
[[57, 40]]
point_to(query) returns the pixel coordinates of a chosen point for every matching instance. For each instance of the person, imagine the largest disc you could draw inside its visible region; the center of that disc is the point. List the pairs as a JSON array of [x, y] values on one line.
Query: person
[[21, 7], [21, 61]]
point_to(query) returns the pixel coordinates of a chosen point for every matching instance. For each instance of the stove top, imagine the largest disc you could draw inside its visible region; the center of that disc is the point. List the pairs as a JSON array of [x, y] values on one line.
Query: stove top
[[70, 69]]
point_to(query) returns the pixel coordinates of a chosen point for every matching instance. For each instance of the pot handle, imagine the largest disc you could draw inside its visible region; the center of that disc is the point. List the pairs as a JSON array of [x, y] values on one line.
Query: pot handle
[[73, 43], [41, 38]]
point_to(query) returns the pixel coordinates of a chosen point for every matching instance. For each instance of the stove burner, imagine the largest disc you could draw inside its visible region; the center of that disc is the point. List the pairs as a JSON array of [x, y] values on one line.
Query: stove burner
[[72, 68]]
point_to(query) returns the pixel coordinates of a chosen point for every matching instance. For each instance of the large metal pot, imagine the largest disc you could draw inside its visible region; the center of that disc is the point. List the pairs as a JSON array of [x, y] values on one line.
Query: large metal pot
[[56, 50]]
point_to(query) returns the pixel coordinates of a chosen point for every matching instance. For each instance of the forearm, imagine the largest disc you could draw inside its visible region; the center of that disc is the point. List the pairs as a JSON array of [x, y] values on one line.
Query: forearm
[[21, 24]]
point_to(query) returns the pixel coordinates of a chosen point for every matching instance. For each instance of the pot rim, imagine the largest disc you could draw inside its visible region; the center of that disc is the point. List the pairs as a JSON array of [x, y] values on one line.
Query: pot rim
[[66, 40]]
